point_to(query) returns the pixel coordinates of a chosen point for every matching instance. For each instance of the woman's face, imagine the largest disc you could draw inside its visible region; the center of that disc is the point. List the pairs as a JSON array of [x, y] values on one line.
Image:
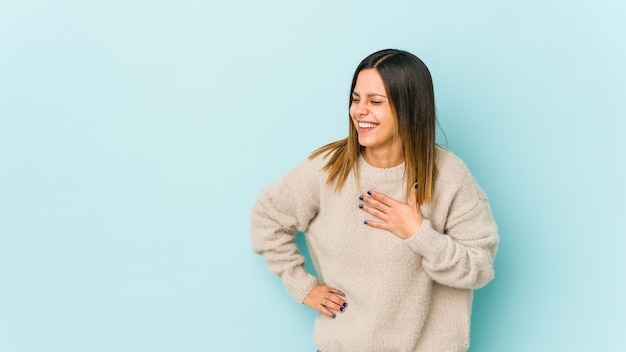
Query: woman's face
[[371, 113]]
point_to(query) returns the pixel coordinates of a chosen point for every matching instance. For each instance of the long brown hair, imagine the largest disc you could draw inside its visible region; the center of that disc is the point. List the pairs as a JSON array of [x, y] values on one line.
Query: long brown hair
[[409, 87]]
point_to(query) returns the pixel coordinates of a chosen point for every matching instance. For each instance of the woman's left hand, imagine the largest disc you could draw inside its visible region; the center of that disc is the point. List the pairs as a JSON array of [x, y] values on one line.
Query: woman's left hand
[[401, 219]]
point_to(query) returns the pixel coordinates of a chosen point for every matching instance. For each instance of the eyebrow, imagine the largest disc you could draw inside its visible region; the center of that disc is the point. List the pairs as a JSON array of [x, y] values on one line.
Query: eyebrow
[[370, 95]]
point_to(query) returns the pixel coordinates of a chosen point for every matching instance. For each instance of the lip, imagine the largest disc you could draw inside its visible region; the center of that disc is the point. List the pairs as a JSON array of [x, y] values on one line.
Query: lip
[[365, 129]]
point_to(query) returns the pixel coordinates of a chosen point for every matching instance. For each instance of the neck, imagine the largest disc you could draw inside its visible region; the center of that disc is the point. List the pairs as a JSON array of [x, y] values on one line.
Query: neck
[[383, 158]]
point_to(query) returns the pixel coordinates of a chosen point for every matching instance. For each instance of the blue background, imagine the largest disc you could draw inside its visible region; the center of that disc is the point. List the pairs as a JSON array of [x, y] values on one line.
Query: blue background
[[134, 137]]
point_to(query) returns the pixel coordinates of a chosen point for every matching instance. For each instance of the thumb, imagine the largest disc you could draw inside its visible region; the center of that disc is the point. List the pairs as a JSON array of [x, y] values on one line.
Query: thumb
[[413, 196]]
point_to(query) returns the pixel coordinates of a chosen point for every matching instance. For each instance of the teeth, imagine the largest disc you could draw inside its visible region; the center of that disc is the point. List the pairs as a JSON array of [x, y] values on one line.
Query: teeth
[[366, 125]]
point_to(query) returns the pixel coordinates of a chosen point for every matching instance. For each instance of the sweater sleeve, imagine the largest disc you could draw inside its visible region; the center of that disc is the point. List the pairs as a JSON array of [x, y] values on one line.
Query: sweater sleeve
[[462, 256], [284, 208]]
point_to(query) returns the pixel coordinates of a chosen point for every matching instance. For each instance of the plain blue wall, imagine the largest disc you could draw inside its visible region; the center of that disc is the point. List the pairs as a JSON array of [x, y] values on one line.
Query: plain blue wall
[[135, 135]]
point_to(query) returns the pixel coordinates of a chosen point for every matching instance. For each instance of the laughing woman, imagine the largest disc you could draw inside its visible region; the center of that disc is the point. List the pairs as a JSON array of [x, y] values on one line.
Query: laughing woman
[[398, 230]]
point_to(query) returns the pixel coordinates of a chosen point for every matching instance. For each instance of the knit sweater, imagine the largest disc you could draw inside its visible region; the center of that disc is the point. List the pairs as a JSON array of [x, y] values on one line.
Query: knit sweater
[[403, 295]]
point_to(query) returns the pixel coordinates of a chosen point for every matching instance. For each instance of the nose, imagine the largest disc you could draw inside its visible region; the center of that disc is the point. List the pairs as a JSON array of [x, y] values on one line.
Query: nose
[[358, 109]]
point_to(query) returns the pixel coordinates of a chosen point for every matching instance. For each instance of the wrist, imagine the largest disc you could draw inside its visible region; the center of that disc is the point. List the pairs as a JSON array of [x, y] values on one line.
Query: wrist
[[414, 230]]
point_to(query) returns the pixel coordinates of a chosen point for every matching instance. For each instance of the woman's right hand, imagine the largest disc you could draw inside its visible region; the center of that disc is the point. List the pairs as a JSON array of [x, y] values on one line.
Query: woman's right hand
[[326, 300]]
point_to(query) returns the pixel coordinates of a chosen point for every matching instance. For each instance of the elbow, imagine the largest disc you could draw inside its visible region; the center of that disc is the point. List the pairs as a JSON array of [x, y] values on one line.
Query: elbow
[[483, 277], [476, 273], [479, 270]]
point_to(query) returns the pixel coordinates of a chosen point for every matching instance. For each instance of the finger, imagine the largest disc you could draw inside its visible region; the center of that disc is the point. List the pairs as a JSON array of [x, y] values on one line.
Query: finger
[[319, 303], [336, 303], [373, 211], [371, 202], [388, 201], [335, 291], [377, 224], [333, 307], [374, 203], [334, 299], [327, 312]]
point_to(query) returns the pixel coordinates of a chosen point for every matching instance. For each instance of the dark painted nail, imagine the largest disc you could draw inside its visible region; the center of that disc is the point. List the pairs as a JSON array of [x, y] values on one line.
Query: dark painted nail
[[341, 309], [334, 316], [416, 185], [365, 222], [345, 304], [361, 206], [369, 192], [361, 198]]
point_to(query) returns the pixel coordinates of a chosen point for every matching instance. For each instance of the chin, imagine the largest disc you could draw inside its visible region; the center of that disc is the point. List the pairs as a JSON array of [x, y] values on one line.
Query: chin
[[364, 143]]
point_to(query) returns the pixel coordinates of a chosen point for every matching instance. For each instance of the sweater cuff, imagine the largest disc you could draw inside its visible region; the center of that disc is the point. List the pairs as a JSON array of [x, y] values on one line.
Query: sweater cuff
[[299, 283], [426, 241]]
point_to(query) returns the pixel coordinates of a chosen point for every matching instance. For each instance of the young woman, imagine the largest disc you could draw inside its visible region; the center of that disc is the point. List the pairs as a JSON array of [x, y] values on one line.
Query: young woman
[[398, 230]]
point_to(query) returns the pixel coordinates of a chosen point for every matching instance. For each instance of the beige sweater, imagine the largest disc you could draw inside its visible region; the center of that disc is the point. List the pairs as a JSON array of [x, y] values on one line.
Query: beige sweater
[[403, 295]]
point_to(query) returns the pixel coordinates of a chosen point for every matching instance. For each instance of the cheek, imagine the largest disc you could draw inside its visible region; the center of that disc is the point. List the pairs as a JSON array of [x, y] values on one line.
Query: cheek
[[387, 115]]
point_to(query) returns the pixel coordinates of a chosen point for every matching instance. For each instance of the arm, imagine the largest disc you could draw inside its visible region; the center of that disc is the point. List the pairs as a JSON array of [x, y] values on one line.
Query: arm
[[462, 256], [284, 208]]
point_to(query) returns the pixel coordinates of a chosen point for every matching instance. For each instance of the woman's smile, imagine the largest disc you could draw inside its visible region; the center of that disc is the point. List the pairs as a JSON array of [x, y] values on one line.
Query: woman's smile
[[365, 126], [374, 120]]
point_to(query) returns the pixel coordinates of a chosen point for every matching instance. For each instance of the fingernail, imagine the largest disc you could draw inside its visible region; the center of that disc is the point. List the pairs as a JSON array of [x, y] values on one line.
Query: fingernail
[[341, 309], [361, 206], [416, 185], [361, 198], [369, 192], [334, 316], [365, 222], [345, 304]]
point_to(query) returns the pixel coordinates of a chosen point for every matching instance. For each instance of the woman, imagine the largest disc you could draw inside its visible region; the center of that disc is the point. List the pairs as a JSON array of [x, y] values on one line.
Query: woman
[[397, 228]]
